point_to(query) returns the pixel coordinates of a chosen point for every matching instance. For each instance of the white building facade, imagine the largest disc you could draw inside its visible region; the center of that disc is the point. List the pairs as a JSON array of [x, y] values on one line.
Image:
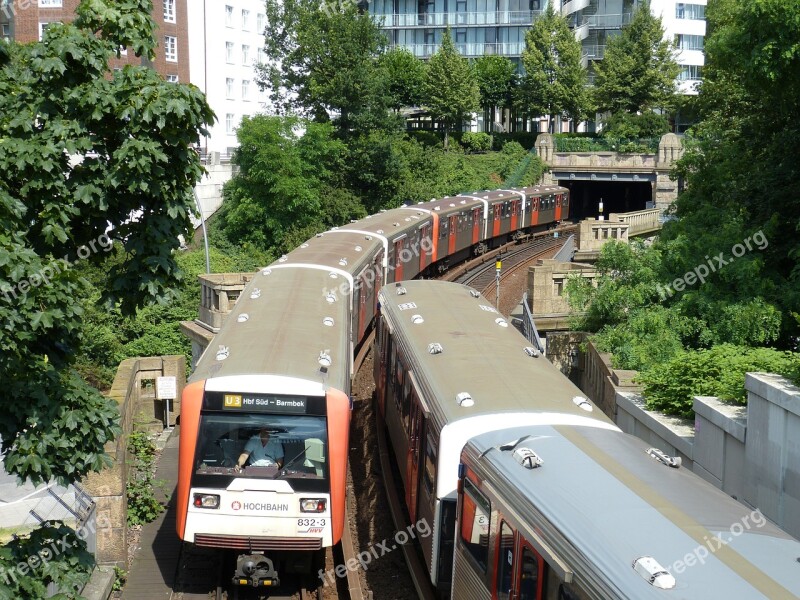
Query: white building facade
[[226, 39], [685, 23]]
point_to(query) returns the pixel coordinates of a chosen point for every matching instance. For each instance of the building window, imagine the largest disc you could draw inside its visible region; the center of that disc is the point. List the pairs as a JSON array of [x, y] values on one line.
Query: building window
[[171, 48], [229, 88], [245, 54], [558, 287], [245, 20], [262, 55], [43, 27], [260, 22], [245, 89], [6, 31], [694, 12], [169, 11], [689, 72], [50, 3], [172, 78], [689, 42], [475, 511], [229, 123], [228, 16], [229, 52]]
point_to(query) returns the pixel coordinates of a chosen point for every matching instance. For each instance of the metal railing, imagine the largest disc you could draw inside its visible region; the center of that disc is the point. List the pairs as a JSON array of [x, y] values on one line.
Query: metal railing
[[608, 21], [529, 327], [458, 19], [477, 49]]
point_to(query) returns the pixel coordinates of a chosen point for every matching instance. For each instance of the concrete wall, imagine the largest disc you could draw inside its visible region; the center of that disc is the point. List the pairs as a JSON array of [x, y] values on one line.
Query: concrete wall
[[108, 486], [751, 453]]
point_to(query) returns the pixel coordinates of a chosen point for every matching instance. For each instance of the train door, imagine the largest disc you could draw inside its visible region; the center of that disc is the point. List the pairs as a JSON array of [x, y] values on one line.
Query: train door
[[425, 241], [413, 458], [558, 207], [476, 225], [398, 256], [514, 215], [535, 204], [529, 573], [519, 571], [363, 295], [497, 216], [451, 242], [382, 365]]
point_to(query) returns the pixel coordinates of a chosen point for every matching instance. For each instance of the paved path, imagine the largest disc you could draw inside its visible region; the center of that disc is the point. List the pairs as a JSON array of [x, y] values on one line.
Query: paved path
[[155, 563]]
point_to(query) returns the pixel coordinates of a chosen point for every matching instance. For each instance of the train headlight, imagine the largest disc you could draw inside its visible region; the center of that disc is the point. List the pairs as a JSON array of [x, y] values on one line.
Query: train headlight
[[315, 505], [206, 500]]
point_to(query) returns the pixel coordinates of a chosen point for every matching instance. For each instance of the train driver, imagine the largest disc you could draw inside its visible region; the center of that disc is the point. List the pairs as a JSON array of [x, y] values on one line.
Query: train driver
[[262, 450]]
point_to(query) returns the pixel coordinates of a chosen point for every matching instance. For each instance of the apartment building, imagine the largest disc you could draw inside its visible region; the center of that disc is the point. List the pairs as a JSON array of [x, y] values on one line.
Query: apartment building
[[26, 21], [226, 39], [498, 26]]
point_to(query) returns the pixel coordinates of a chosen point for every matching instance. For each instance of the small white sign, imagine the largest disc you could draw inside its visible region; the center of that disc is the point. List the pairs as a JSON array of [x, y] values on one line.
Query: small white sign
[[166, 388]]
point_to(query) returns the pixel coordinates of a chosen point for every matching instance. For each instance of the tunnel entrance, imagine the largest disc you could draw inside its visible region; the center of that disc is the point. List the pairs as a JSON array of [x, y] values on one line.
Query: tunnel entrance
[[617, 196]]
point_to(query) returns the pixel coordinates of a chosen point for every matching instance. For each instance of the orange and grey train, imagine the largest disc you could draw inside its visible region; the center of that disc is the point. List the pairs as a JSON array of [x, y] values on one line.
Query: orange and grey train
[[282, 363]]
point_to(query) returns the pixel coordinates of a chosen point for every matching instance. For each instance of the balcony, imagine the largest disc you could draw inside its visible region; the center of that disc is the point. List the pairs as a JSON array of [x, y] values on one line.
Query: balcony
[[457, 19], [573, 6], [476, 49], [608, 21]]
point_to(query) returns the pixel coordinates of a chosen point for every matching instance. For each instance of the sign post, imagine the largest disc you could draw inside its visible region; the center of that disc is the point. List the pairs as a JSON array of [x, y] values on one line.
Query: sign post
[[166, 390], [498, 265]]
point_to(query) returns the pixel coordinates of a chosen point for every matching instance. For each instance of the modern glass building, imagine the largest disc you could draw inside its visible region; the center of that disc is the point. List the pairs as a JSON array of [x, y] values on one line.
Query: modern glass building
[[498, 26]]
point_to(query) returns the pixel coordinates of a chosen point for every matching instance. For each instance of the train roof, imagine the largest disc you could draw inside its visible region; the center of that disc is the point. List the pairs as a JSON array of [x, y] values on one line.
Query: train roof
[[601, 500], [389, 223], [479, 354], [292, 311], [476, 198]]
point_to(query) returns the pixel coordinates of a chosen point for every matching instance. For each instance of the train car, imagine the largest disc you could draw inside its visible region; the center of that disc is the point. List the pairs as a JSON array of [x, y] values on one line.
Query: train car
[[438, 385], [557, 512], [281, 364]]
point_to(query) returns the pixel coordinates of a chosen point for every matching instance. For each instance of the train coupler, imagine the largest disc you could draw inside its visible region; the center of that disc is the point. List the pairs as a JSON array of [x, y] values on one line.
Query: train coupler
[[255, 570]]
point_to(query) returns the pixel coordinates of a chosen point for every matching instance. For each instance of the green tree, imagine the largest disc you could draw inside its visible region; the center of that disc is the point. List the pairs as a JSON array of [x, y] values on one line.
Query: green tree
[[638, 70], [287, 168], [497, 79], [555, 81], [323, 64], [406, 77], [451, 91], [88, 156]]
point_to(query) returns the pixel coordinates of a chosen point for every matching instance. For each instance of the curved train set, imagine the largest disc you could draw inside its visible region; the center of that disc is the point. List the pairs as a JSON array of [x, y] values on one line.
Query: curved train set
[[530, 492]]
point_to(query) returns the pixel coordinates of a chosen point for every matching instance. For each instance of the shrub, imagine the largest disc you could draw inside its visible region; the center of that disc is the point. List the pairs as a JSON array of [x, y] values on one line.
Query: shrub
[[671, 386], [476, 142], [527, 139], [143, 507]]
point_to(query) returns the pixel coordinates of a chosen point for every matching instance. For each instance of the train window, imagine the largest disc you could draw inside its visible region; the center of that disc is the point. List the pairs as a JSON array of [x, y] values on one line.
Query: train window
[[223, 438], [475, 511], [529, 576], [505, 562], [429, 476], [406, 407]]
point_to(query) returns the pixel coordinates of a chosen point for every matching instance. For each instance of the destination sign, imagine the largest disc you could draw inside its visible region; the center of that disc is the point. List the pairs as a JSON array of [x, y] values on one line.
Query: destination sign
[[259, 403], [282, 404]]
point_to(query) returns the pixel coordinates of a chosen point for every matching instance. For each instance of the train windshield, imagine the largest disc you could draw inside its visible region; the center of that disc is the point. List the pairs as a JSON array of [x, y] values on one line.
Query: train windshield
[[263, 445]]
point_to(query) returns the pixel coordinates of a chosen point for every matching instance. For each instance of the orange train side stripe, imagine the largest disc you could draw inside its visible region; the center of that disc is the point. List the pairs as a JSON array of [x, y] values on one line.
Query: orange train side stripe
[[191, 401], [338, 405]]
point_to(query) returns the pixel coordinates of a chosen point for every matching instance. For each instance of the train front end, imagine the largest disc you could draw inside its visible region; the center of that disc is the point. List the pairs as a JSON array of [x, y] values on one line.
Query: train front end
[[279, 512]]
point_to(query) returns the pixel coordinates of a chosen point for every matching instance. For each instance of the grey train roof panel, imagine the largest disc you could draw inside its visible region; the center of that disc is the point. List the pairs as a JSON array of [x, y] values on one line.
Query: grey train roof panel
[[284, 332], [508, 379], [605, 502]]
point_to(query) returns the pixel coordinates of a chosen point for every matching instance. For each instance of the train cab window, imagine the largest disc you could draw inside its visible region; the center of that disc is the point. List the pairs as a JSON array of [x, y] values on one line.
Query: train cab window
[[474, 523], [505, 562], [302, 440], [529, 576], [429, 476]]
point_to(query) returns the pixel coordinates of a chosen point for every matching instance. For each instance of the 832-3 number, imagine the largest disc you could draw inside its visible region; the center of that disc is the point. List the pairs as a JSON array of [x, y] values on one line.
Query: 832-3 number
[[311, 522]]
